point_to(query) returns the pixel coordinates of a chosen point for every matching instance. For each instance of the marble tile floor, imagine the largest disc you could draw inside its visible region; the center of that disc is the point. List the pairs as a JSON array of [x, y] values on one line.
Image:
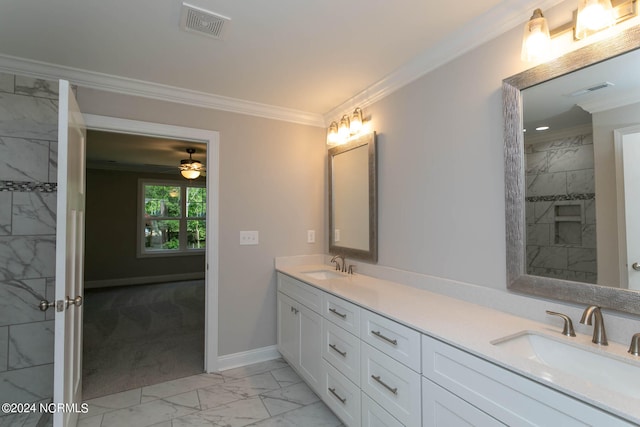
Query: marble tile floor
[[264, 394]]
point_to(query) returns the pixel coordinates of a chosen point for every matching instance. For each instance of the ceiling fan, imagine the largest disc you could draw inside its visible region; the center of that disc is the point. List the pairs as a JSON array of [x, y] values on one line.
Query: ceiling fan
[[190, 168]]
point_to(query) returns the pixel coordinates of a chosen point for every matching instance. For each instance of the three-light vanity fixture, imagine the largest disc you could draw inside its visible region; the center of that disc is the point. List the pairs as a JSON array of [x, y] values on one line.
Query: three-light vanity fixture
[[340, 132], [591, 17]]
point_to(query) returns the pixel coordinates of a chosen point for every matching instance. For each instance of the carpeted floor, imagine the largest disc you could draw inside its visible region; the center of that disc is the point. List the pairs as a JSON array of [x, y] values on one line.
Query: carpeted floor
[[136, 336]]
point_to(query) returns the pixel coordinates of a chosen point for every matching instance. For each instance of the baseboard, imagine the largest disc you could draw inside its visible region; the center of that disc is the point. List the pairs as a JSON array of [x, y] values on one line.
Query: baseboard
[[249, 357], [146, 280]]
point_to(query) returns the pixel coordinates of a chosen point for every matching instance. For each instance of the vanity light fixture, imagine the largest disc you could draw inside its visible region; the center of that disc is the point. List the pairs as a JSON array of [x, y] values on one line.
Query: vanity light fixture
[[332, 134], [536, 40], [592, 16], [344, 129], [356, 121], [349, 126], [189, 168]]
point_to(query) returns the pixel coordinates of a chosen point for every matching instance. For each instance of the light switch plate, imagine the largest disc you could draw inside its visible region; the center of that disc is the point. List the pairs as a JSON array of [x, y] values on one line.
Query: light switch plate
[[249, 237], [311, 236]]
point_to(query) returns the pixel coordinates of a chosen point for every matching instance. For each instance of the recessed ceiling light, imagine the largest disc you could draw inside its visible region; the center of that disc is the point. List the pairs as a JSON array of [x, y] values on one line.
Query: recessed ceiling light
[[542, 128]]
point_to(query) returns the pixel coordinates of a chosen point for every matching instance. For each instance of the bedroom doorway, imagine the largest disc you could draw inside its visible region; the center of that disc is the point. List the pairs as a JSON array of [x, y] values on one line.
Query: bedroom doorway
[[147, 314]]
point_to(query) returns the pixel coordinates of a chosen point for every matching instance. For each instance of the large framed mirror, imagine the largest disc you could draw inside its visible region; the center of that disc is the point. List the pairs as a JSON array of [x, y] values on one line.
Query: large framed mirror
[[564, 191], [353, 209]]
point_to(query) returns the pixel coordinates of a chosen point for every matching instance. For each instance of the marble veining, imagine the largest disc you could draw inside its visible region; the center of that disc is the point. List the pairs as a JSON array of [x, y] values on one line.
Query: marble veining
[[27, 257], [5, 213], [28, 168], [23, 159], [28, 117], [31, 344], [6, 82], [19, 301], [36, 87], [560, 178], [264, 394], [34, 213], [4, 344], [27, 385]]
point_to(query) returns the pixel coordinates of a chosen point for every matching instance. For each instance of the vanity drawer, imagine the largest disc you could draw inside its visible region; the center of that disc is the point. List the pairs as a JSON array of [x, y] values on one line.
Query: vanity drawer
[[341, 395], [342, 313], [305, 294], [374, 415], [342, 350], [391, 384], [504, 395], [441, 408], [391, 338]]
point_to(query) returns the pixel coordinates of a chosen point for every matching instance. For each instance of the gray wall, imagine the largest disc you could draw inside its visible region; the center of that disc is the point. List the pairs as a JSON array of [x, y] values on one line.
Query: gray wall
[[272, 179], [28, 143], [111, 232]]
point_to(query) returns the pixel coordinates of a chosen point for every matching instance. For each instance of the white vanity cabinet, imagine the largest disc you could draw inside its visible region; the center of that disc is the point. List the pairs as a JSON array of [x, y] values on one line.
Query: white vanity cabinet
[[460, 389], [341, 357], [300, 328]]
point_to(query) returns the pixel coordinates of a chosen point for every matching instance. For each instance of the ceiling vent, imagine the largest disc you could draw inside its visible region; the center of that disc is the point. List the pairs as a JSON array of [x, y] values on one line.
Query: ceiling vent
[[590, 89], [201, 21]]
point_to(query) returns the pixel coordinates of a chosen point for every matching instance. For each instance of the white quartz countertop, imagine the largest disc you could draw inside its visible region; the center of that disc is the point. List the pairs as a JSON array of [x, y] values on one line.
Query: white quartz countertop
[[472, 328]]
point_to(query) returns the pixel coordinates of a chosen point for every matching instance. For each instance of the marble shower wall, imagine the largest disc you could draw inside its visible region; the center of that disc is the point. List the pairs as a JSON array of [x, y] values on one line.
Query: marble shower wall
[[560, 208], [28, 156]]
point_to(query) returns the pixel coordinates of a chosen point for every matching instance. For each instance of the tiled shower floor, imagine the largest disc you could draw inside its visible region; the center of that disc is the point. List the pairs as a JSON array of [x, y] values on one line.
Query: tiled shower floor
[[265, 394]]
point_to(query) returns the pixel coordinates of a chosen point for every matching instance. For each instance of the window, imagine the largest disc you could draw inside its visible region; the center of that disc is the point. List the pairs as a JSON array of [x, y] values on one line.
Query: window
[[172, 218]]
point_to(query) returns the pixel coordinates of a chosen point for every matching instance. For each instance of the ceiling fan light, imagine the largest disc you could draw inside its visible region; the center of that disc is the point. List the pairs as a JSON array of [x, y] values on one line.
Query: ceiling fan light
[[190, 173], [189, 168]]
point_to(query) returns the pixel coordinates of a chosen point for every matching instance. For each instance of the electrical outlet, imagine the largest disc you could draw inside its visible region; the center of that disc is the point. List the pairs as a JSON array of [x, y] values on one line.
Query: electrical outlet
[[311, 236], [248, 237]]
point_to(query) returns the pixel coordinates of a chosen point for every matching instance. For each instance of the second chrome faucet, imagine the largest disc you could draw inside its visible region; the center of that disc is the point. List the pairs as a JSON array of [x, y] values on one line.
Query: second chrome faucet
[[593, 316]]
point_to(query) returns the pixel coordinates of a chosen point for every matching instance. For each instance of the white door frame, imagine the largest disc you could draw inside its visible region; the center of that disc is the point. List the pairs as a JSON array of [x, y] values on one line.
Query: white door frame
[[618, 138], [212, 139]]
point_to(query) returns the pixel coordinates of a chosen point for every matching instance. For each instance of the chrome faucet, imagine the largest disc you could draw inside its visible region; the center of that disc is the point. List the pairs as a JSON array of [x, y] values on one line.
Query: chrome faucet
[[634, 348], [599, 334], [339, 267]]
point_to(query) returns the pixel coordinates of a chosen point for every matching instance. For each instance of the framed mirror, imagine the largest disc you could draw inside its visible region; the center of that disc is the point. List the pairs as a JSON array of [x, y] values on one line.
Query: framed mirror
[[353, 209], [568, 225]]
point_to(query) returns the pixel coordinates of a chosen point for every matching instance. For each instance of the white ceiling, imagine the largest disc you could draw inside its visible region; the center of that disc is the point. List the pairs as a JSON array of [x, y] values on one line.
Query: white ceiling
[[306, 55], [553, 103]]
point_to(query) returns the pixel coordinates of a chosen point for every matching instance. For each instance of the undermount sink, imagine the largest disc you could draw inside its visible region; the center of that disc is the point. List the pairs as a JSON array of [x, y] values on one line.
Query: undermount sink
[[323, 274], [605, 370]]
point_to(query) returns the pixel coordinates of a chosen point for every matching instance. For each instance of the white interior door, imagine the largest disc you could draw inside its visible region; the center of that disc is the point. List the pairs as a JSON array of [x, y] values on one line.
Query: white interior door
[[67, 378]]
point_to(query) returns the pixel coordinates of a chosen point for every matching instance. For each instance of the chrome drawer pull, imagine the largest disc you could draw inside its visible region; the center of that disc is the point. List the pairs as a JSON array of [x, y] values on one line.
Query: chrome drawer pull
[[334, 311], [341, 399], [341, 353], [389, 340], [393, 390]]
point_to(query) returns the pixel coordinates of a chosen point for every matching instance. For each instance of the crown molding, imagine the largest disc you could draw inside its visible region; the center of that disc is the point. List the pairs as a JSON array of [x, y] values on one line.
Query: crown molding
[[502, 18], [110, 83]]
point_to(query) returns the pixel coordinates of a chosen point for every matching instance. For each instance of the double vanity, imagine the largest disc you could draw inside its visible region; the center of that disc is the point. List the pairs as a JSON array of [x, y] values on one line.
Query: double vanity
[[380, 353]]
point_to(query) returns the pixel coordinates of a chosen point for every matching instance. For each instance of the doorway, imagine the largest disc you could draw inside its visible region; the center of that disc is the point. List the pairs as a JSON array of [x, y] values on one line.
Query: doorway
[[188, 292]]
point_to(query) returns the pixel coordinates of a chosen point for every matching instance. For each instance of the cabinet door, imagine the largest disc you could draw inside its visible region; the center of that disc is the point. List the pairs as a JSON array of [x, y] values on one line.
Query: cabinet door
[[443, 409], [288, 330], [310, 346]]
